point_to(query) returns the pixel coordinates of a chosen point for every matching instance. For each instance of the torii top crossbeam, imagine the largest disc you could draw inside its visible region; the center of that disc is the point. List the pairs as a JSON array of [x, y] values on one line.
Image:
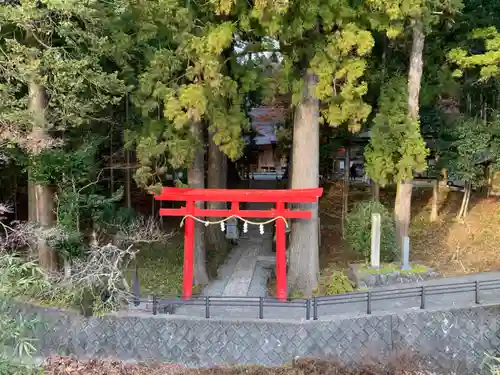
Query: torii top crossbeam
[[240, 195]]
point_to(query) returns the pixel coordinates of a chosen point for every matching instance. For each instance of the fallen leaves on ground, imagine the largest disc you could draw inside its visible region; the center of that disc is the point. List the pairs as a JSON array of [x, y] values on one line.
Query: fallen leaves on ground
[[73, 366]]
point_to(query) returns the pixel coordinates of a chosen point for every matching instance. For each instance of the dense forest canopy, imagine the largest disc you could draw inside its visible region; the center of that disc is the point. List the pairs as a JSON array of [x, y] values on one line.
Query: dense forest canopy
[[100, 99]]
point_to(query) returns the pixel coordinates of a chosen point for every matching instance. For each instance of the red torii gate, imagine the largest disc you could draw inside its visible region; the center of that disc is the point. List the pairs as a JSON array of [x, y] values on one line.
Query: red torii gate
[[237, 196]]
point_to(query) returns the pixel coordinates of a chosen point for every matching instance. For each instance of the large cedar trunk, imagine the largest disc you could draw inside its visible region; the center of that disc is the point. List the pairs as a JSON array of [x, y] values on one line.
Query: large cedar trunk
[[196, 179], [43, 195], [216, 240], [304, 250], [402, 208]]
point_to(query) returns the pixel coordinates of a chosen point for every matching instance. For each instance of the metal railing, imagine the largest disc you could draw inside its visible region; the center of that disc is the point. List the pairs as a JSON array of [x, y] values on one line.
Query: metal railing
[[310, 306]]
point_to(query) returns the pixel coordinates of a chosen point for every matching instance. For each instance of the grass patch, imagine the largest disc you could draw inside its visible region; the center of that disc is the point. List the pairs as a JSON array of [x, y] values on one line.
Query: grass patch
[[160, 268], [332, 281], [391, 267]]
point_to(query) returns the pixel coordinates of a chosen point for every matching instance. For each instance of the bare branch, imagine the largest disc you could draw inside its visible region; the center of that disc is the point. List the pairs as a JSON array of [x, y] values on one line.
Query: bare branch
[[26, 141], [5, 209], [101, 275], [143, 230]]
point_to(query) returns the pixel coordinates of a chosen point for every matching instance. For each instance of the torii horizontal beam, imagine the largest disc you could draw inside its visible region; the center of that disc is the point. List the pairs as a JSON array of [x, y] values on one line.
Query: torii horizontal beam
[[240, 195]]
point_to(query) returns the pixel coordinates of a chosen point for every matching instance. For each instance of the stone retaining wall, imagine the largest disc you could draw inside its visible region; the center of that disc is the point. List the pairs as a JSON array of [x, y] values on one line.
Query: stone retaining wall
[[455, 339]]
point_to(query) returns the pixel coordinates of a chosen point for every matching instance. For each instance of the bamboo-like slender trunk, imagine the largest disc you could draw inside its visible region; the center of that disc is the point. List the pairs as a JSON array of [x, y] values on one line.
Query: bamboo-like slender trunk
[[43, 195]]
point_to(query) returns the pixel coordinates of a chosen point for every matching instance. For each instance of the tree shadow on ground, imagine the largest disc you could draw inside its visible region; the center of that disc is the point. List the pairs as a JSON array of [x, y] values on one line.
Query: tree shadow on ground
[[449, 246], [452, 246]]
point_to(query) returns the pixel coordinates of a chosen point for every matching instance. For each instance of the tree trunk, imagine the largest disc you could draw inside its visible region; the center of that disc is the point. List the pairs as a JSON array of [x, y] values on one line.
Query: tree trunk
[[223, 172], [128, 181], [215, 237], [462, 206], [435, 199], [444, 176], [402, 211], [375, 191], [402, 207], [43, 195], [32, 213], [467, 200], [289, 166], [111, 164], [196, 179], [345, 188], [31, 200], [128, 171], [488, 178], [415, 71], [304, 252]]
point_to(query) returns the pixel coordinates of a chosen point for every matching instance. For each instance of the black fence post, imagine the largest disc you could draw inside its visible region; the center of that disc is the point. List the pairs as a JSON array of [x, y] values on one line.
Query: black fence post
[[477, 293], [369, 303], [155, 305], [315, 308], [207, 307], [422, 297], [261, 308], [308, 309]]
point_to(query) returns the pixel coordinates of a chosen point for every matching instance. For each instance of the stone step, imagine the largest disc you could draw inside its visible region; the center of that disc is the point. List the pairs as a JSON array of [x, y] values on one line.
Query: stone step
[[239, 282], [267, 261]]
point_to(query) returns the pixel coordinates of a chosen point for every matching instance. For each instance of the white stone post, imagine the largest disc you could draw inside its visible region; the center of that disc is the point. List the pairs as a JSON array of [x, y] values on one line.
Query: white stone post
[[406, 254], [375, 253]]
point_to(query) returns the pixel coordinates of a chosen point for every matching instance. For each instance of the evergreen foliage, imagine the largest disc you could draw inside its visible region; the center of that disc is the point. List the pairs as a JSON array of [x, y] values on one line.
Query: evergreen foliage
[[135, 76], [60, 46], [358, 230], [396, 146]]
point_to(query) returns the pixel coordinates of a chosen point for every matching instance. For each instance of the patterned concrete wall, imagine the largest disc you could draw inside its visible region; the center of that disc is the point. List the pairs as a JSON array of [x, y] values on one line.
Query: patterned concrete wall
[[452, 340]]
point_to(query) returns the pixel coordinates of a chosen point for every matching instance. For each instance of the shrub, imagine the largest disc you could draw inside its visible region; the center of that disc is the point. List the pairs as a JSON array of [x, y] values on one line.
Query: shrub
[[21, 278], [97, 277], [16, 343], [358, 230], [339, 283]]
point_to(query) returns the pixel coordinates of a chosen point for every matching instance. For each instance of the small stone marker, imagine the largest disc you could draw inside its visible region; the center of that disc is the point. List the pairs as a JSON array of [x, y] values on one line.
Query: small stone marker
[[375, 253], [406, 254], [232, 229]]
